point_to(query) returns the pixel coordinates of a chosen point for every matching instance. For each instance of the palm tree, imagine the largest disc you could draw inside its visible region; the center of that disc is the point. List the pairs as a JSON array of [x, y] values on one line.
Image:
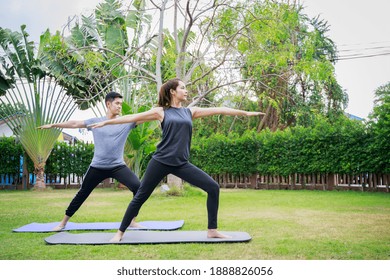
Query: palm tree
[[99, 56], [24, 81]]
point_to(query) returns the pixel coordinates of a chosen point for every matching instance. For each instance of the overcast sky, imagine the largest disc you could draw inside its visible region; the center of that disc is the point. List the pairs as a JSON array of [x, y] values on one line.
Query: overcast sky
[[359, 28]]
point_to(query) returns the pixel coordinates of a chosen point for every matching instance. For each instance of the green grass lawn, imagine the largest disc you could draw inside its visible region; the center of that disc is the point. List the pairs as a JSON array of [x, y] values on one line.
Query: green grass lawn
[[284, 225]]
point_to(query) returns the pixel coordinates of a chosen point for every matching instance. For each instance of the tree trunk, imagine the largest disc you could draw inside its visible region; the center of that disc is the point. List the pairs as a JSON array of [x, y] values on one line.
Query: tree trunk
[[40, 179], [270, 120], [174, 181], [25, 176], [106, 183]]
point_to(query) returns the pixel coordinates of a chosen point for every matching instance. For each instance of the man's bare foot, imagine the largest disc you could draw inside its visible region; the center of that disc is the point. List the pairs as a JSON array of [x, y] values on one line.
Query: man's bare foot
[[59, 227], [118, 237], [213, 233]]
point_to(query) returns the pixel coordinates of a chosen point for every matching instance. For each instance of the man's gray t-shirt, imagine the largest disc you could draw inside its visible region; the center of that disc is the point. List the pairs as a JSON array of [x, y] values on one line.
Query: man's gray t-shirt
[[109, 143]]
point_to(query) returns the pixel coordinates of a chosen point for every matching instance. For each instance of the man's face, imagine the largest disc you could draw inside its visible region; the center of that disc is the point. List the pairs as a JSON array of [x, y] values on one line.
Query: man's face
[[115, 107]]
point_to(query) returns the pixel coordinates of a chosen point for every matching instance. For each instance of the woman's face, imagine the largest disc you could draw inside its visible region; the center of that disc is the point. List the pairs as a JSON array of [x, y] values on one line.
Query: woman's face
[[181, 92]]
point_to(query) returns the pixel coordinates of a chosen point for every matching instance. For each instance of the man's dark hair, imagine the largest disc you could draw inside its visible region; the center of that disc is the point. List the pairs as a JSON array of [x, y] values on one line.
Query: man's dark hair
[[111, 96]]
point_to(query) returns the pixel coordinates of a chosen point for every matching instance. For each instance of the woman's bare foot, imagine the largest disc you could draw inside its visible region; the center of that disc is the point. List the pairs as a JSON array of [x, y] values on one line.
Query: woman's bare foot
[[118, 237], [62, 224], [59, 227], [134, 224], [213, 233]]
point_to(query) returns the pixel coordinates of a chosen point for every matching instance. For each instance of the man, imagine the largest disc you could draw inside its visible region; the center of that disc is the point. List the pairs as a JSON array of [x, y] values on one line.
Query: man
[[107, 160]]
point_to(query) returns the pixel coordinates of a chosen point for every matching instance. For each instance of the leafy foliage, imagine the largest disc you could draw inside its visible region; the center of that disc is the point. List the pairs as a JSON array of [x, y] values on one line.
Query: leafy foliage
[[85, 74], [67, 159], [10, 154], [141, 142], [380, 130], [288, 59]]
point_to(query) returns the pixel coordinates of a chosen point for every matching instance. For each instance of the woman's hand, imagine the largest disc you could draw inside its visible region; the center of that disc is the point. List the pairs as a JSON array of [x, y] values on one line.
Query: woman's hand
[[97, 125], [250, 114]]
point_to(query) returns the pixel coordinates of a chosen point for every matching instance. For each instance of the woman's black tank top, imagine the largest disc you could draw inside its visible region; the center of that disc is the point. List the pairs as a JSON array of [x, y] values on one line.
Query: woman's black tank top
[[174, 148]]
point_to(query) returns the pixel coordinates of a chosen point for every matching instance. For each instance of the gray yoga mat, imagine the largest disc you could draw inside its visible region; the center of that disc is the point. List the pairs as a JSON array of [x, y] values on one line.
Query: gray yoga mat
[[144, 237], [147, 225]]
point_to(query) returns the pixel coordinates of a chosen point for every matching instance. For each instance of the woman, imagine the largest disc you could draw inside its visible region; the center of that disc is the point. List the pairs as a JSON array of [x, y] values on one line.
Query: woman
[[172, 154]]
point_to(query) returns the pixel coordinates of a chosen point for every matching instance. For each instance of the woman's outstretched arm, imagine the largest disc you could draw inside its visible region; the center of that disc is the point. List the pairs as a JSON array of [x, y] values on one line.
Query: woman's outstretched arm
[[155, 114], [198, 112]]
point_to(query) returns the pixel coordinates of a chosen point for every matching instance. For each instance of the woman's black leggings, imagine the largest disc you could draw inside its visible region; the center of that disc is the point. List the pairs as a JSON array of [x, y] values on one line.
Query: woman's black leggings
[[156, 171], [96, 175]]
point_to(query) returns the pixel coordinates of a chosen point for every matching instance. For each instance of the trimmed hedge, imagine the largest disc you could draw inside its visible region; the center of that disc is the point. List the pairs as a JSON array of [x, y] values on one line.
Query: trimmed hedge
[[11, 153], [65, 159], [344, 148]]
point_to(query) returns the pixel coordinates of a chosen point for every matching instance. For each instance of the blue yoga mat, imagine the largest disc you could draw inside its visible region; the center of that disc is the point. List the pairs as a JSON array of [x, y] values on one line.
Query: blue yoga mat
[[147, 225], [146, 237]]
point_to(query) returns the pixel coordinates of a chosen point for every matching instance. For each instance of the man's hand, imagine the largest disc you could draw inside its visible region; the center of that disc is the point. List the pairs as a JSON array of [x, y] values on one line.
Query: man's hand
[[46, 126]]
